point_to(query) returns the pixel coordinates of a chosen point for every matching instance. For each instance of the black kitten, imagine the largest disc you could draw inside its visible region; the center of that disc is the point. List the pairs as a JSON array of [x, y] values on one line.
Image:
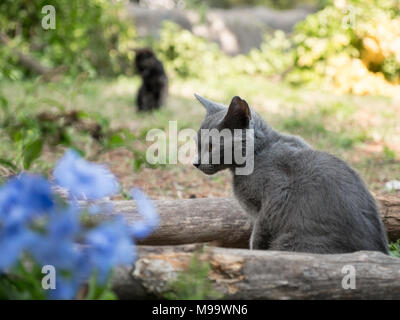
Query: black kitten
[[154, 90]]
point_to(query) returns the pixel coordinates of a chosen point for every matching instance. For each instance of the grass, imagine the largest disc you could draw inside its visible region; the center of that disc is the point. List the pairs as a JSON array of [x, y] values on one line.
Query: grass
[[362, 130], [395, 249]]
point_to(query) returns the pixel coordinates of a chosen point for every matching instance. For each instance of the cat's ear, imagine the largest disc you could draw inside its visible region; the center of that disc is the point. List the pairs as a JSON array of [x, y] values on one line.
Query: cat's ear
[[211, 107], [238, 115]]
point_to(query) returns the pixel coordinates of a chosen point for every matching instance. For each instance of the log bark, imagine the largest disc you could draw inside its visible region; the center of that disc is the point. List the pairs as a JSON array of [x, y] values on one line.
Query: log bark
[[254, 274], [221, 221], [390, 210], [184, 221]]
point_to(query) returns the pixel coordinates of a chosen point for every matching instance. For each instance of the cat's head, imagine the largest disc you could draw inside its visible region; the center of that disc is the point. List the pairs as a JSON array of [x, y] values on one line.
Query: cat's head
[[223, 138], [144, 58]]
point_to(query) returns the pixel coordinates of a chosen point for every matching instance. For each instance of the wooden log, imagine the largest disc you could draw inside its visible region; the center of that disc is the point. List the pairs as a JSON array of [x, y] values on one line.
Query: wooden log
[[255, 274], [390, 210], [220, 220]]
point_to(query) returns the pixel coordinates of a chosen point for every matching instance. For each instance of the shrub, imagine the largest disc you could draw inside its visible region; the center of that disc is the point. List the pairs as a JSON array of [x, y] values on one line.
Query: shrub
[[27, 132], [186, 55], [353, 45], [91, 36]]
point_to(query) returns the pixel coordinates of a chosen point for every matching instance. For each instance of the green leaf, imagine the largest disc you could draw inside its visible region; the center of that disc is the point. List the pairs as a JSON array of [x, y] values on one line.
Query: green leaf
[[92, 287], [390, 154], [17, 136], [116, 140], [8, 163], [3, 103], [65, 139], [137, 163], [99, 292], [128, 134], [108, 295], [53, 103], [32, 151], [80, 151], [394, 248], [83, 114]]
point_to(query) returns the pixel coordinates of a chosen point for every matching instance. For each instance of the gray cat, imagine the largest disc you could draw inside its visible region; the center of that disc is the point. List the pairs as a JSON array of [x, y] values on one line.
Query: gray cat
[[298, 198]]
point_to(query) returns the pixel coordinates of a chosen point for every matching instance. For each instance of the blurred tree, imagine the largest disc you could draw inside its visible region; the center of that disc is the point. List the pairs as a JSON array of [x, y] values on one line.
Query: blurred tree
[[90, 36], [278, 4]]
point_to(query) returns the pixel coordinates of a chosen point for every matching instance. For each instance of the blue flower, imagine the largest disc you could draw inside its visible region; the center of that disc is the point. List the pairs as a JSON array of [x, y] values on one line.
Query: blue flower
[[64, 223], [13, 240], [110, 244], [65, 289], [23, 198], [84, 179], [52, 234], [147, 210], [57, 246]]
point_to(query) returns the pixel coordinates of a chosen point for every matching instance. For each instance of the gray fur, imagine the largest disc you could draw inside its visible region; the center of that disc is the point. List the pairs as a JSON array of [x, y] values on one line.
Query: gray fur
[[211, 107], [298, 198]]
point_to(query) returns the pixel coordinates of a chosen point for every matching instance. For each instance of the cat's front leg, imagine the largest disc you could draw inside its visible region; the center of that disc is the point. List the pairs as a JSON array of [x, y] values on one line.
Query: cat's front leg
[[260, 237]]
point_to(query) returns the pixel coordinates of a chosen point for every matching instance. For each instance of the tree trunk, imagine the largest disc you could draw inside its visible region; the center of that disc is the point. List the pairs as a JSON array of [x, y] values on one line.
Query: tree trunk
[[220, 220], [254, 274]]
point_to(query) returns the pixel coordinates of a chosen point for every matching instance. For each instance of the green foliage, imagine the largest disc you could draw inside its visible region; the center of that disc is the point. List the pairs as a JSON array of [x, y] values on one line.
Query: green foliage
[[279, 4], [273, 58], [91, 36], [26, 132], [32, 151], [339, 36], [193, 284], [391, 68], [394, 248], [349, 47], [24, 282], [188, 56], [326, 124], [184, 53], [99, 292], [389, 154]]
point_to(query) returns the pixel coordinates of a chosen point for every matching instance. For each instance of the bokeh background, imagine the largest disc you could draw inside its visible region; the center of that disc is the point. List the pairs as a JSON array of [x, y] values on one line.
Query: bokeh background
[[326, 70]]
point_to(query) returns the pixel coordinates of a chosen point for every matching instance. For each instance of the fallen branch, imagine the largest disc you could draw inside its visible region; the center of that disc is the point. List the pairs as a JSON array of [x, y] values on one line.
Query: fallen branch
[[25, 60], [31, 63], [245, 274], [220, 220]]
